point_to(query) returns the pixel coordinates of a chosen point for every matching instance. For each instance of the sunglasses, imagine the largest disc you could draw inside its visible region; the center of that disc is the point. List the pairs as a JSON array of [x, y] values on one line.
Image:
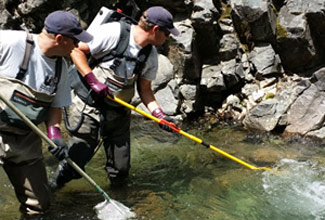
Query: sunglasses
[[166, 32], [75, 40]]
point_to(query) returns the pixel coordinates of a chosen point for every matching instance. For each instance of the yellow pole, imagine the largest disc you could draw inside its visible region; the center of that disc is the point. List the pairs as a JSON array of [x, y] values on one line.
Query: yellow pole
[[185, 134]]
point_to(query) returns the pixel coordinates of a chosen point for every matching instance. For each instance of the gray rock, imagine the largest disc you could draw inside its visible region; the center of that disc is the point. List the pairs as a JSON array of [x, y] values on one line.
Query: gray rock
[[266, 115], [164, 74], [233, 73], [253, 20], [212, 78], [183, 53], [229, 47], [267, 63], [295, 44], [307, 112], [167, 101], [188, 91]]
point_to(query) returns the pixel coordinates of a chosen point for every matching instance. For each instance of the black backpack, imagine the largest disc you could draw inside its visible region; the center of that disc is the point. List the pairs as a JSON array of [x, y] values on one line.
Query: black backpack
[[78, 83]]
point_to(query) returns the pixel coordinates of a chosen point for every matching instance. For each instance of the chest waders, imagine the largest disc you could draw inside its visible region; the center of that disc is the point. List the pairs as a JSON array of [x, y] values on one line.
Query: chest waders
[[33, 104], [97, 119]]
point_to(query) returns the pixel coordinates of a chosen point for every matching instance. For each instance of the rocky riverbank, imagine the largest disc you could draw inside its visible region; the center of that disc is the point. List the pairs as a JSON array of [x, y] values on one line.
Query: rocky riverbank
[[260, 63]]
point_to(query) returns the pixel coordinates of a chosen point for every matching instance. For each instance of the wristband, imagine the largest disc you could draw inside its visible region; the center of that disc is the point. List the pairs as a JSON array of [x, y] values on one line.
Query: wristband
[[90, 78], [158, 113], [53, 132]]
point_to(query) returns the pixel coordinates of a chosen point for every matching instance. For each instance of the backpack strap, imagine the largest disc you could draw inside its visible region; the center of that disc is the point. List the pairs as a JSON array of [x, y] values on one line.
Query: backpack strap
[[24, 65], [120, 48], [123, 41], [58, 71], [142, 58]]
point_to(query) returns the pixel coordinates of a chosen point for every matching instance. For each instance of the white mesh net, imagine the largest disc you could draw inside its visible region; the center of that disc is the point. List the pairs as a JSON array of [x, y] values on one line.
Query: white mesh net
[[113, 210]]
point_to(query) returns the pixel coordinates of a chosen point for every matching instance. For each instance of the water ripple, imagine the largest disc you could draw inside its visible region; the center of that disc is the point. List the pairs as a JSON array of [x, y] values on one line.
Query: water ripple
[[298, 190]]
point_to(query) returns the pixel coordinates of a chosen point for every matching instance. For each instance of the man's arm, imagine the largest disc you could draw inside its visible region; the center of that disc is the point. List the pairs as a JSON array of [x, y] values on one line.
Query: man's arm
[[79, 58], [55, 117], [146, 94], [148, 99], [54, 133]]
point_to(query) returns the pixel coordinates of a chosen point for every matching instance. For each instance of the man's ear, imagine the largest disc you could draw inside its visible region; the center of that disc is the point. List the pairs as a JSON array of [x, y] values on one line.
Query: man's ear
[[58, 38], [155, 28]]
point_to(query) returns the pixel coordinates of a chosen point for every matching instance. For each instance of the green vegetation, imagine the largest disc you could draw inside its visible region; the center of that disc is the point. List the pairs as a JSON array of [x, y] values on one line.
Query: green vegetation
[[269, 96], [281, 32], [226, 11]]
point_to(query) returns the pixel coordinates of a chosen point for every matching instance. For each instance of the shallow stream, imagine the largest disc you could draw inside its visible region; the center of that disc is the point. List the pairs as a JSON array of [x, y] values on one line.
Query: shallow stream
[[173, 178]]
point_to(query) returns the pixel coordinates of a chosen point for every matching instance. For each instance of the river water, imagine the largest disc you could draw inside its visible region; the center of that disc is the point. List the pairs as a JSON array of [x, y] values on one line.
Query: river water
[[173, 178]]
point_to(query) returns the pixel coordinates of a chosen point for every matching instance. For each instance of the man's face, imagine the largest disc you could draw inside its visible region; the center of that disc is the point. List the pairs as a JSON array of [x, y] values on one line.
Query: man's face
[[67, 44], [161, 35]]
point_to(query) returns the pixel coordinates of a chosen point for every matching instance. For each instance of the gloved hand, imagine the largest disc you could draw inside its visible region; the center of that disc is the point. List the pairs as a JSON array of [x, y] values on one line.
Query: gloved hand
[[158, 113], [98, 87], [61, 150]]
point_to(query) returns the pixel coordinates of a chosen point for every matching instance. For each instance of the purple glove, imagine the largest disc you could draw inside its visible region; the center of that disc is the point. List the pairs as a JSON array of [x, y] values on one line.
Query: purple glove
[[98, 87], [158, 113], [61, 150]]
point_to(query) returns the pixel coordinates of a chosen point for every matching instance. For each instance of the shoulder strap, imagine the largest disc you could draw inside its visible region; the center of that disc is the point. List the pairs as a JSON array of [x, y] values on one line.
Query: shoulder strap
[[142, 58], [58, 71], [24, 65], [120, 48], [123, 41]]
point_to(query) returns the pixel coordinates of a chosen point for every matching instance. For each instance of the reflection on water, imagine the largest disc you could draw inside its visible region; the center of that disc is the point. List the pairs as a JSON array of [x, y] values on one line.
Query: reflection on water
[[174, 178]]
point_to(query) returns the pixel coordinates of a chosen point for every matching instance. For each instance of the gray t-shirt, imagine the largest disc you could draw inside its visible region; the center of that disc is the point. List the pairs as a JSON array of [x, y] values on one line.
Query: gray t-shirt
[[106, 37], [41, 69]]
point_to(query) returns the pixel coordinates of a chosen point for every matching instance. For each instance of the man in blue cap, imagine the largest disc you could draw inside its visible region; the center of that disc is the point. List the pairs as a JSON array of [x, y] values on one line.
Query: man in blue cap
[[117, 76], [40, 84]]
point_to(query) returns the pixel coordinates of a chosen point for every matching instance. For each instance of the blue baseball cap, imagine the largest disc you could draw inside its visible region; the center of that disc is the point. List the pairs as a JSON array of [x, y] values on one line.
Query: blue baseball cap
[[163, 18], [65, 23]]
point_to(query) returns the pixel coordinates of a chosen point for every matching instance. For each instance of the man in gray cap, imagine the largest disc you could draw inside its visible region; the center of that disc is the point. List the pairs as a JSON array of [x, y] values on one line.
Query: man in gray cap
[[117, 76], [39, 88]]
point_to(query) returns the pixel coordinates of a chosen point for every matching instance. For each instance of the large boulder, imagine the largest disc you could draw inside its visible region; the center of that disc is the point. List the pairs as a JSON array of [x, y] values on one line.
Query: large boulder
[[307, 112], [183, 52], [204, 18], [268, 113], [266, 62], [254, 21], [294, 43]]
